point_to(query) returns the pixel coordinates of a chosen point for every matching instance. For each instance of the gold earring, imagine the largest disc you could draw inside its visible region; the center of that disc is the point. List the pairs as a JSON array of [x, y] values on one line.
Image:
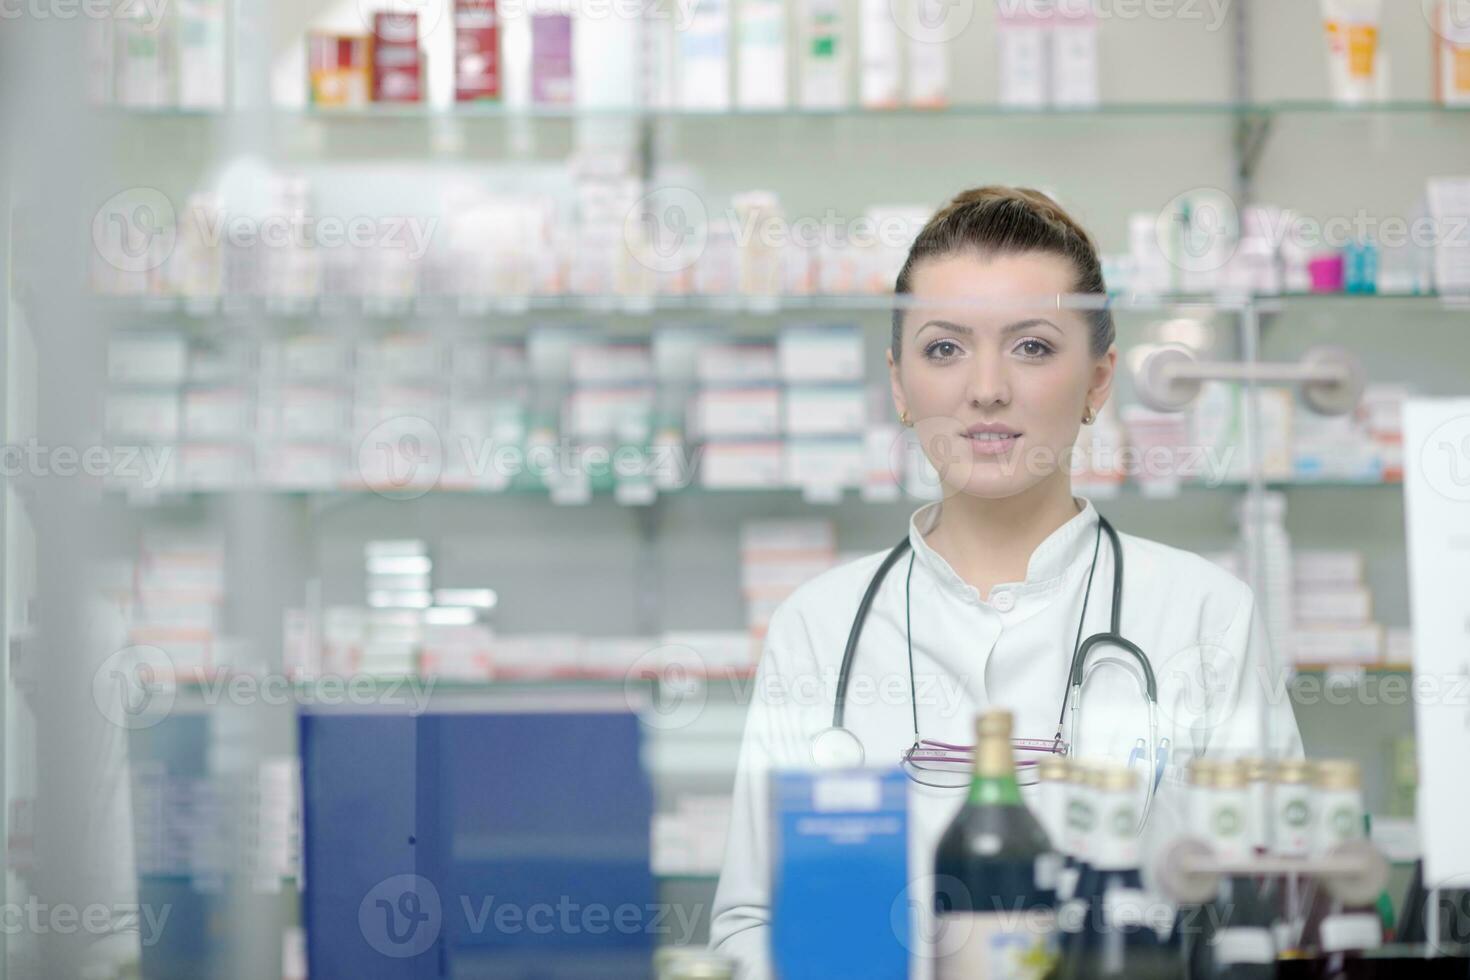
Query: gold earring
[[1088, 417], [904, 417]]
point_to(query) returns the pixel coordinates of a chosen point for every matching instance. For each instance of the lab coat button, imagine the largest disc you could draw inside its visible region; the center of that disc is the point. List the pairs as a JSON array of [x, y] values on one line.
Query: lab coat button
[[1004, 601]]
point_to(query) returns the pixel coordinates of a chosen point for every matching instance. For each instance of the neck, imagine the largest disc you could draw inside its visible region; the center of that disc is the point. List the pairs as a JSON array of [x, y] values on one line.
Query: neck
[[988, 541]]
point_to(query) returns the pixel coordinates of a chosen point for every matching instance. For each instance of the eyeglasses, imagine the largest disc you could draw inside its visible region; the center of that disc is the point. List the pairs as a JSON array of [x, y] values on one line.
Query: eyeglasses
[[948, 766]]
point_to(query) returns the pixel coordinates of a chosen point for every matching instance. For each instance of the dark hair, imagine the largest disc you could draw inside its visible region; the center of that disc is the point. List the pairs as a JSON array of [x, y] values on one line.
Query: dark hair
[[997, 220]]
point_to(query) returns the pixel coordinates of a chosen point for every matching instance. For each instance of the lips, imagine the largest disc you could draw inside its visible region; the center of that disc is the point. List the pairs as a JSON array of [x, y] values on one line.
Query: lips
[[991, 439]]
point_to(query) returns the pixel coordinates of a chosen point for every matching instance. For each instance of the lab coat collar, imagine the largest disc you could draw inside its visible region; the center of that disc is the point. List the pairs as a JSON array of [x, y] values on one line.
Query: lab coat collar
[[1062, 550]]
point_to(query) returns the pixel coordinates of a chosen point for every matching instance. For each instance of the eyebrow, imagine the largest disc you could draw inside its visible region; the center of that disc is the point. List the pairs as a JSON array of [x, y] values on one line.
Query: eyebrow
[[1006, 331]]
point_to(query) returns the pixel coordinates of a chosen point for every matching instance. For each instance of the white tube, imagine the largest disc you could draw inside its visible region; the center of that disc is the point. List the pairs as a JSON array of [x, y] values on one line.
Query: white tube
[[1352, 48]]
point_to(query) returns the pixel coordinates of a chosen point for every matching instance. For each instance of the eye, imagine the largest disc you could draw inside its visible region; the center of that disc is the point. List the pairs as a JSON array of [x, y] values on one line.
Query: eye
[[941, 350], [1034, 349]]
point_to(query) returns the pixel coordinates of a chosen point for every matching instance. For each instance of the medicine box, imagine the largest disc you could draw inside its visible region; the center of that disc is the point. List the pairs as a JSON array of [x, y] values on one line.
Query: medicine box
[[839, 869]]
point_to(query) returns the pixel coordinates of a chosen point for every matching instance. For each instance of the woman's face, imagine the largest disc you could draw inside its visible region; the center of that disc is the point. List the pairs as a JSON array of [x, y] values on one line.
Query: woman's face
[[1024, 370]]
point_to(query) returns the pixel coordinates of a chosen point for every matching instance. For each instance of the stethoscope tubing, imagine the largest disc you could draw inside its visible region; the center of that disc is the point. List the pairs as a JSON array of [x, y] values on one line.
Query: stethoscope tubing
[[1071, 700]]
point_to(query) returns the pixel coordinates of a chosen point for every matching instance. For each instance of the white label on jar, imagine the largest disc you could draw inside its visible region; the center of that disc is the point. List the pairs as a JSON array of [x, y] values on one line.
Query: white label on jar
[[1019, 945], [1048, 870], [1081, 820], [1293, 820], [1339, 818], [1117, 834], [1067, 882], [1240, 945], [1125, 908], [1258, 817], [1228, 825]]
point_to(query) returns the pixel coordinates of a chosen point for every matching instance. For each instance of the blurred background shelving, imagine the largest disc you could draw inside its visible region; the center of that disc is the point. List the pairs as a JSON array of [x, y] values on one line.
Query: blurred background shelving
[[625, 570]]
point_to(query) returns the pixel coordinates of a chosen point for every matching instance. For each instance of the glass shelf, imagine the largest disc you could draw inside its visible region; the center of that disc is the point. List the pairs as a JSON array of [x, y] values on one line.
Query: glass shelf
[[1326, 107], [499, 112], [449, 307], [323, 499], [221, 683], [1315, 670], [706, 878]]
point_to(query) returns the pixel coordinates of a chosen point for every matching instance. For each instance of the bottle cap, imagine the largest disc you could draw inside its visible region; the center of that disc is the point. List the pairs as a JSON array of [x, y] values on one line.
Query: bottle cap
[[1338, 774], [1202, 772], [691, 963], [1053, 769], [1116, 779], [994, 723], [1293, 771], [1229, 775]]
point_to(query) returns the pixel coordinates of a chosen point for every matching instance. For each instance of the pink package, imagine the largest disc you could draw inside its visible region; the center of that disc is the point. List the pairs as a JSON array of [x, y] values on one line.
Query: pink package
[[1327, 273]]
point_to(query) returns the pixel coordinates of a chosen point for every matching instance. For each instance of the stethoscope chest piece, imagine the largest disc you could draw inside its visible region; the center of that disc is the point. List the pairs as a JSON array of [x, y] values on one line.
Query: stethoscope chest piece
[[836, 748]]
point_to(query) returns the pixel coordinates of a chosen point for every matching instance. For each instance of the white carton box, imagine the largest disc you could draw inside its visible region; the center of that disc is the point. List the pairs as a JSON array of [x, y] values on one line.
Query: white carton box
[[753, 411], [216, 413], [820, 354], [811, 410], [1024, 37], [144, 415], [160, 359], [751, 465], [1338, 606], [825, 464]]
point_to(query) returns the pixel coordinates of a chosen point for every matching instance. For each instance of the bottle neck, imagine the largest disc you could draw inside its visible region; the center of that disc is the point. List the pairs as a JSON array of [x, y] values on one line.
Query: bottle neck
[[994, 782]]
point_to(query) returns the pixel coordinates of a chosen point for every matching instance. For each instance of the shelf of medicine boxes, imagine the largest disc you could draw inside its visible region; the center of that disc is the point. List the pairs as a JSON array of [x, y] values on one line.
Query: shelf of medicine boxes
[[207, 685], [1323, 670], [492, 112], [734, 683], [640, 494], [454, 307]]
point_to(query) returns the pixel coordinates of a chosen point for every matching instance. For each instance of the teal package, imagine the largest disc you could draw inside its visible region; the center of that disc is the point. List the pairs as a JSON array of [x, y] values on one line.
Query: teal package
[[840, 902]]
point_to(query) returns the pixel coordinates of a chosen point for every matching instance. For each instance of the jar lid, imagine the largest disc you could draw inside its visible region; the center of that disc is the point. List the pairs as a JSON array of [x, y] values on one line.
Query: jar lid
[[1338, 774]]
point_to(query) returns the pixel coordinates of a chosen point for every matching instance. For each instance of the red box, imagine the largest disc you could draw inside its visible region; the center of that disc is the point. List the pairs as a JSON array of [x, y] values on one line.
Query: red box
[[340, 70], [476, 51], [397, 63]]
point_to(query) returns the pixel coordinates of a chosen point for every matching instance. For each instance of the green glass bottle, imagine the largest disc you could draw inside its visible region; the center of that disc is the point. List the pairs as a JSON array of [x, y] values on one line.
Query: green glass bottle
[[995, 872]]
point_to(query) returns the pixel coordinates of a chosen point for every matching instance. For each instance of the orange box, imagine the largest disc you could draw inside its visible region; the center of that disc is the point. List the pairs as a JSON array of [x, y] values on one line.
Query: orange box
[[340, 69]]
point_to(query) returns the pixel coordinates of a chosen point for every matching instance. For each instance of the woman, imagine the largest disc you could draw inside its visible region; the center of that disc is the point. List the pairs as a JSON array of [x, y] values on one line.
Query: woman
[[993, 590]]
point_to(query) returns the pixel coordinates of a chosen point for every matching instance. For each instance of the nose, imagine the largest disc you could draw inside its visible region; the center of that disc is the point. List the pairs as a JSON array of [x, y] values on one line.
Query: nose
[[989, 383]]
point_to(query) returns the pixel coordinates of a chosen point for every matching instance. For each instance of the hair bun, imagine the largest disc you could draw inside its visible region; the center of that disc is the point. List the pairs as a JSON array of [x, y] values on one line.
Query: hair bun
[[1027, 199], [1000, 220]]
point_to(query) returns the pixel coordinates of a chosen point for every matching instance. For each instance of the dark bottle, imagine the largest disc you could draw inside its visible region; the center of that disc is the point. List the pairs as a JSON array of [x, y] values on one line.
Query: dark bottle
[[1078, 882], [994, 872], [1240, 943], [1340, 933], [1119, 937], [1054, 791]]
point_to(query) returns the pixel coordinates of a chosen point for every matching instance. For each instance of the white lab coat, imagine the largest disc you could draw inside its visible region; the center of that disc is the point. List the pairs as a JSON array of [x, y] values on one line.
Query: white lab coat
[[1221, 693]]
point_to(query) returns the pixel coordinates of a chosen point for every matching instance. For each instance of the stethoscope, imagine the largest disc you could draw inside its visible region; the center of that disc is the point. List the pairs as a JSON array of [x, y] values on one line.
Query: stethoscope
[[837, 747]]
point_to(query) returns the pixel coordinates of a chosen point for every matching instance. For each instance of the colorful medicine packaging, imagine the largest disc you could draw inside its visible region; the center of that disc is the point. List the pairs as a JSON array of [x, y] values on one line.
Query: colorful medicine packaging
[[839, 839], [476, 51], [340, 69], [397, 62], [1451, 56]]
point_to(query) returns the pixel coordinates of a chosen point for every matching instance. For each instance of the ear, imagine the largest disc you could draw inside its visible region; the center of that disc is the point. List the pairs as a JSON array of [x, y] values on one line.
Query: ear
[[900, 403], [1100, 385]]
